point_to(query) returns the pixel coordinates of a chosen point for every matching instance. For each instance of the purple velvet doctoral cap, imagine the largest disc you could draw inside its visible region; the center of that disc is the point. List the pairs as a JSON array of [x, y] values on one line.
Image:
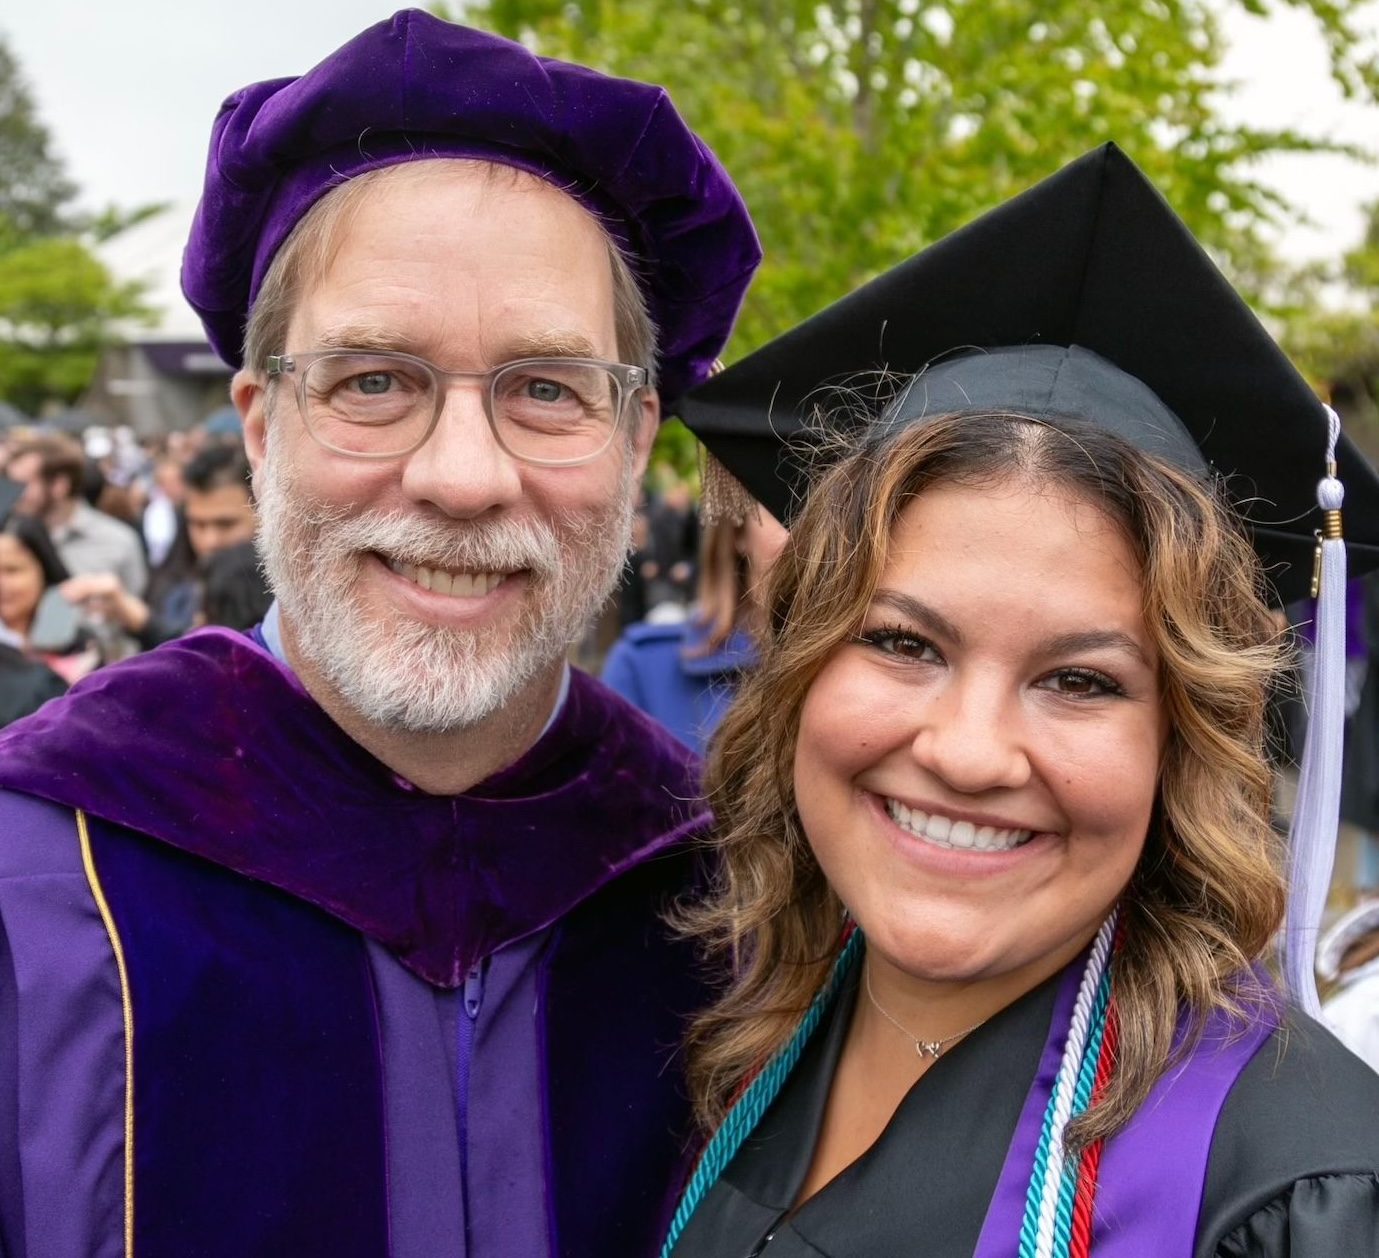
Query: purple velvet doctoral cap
[[416, 87]]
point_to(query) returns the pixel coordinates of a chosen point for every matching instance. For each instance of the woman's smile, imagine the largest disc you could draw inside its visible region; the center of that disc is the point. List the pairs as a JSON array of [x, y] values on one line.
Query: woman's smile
[[957, 835]]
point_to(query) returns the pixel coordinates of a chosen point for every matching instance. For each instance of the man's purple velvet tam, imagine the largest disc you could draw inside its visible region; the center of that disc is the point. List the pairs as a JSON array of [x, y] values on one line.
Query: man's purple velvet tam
[[417, 87]]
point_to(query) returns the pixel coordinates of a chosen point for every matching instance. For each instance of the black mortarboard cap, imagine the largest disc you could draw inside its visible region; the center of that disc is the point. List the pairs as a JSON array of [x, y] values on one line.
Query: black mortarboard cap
[[1092, 258]]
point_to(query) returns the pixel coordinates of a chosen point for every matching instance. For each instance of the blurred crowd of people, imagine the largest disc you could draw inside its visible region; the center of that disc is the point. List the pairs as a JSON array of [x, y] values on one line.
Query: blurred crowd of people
[[110, 545]]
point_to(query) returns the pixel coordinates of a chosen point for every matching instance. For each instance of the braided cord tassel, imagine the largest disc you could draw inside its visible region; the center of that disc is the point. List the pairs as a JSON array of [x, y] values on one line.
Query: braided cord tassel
[[1041, 1201], [1317, 807], [756, 1098]]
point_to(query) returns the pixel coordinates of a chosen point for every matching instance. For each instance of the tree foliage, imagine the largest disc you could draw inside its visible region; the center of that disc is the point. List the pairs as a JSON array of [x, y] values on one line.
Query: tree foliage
[[59, 306], [860, 131], [1337, 342], [34, 189], [58, 309]]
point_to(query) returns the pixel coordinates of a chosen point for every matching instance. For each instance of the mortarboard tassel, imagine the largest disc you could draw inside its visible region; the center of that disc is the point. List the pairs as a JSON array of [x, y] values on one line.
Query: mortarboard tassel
[[1316, 811], [721, 495]]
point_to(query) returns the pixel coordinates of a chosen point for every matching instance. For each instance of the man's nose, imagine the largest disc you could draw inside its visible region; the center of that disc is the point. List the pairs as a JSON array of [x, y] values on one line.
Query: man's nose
[[461, 469]]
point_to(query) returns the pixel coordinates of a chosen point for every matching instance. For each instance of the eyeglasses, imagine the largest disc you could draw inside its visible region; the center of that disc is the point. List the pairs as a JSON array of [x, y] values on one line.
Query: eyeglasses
[[555, 412]]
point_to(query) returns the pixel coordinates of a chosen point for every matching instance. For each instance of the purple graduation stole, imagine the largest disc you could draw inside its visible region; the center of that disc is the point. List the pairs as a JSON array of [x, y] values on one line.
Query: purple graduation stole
[[254, 1104], [1149, 1189]]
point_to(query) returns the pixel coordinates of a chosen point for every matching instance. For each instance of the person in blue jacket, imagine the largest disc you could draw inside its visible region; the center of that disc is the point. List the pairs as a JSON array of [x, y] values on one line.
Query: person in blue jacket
[[683, 674]]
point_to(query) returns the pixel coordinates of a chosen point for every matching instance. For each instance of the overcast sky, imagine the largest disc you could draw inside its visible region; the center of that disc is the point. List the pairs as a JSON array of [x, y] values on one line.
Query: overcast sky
[[128, 89]]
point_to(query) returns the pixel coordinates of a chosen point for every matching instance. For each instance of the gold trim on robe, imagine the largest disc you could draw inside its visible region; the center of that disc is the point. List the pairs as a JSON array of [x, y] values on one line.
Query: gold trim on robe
[[93, 881]]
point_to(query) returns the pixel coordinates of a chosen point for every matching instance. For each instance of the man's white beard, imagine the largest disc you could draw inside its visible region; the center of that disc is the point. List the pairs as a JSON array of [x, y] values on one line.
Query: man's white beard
[[400, 673]]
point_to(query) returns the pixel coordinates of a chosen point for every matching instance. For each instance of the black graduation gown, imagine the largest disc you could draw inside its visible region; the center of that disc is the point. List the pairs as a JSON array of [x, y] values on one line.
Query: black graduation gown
[[25, 684], [1293, 1167]]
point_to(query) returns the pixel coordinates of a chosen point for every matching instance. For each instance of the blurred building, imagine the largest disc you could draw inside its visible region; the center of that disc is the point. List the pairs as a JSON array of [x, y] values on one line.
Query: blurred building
[[166, 377], [155, 385]]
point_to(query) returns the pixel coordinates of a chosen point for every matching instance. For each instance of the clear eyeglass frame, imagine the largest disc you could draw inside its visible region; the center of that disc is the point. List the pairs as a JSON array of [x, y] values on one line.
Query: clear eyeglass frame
[[628, 379]]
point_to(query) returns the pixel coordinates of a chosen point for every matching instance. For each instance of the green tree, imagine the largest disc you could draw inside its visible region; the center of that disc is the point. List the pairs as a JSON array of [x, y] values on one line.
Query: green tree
[[58, 308], [34, 189], [1336, 342], [861, 130], [58, 304]]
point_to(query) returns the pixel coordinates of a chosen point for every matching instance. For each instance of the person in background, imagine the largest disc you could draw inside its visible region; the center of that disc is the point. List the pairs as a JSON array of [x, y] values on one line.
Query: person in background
[[35, 614], [218, 500], [237, 594], [218, 512], [684, 673], [345, 936], [997, 866], [25, 683], [672, 542], [53, 471], [1348, 960], [162, 513]]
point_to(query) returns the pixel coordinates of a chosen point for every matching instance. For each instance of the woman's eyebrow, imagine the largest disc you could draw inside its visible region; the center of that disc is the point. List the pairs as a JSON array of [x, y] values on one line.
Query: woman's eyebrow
[[1060, 644], [1096, 640], [921, 613]]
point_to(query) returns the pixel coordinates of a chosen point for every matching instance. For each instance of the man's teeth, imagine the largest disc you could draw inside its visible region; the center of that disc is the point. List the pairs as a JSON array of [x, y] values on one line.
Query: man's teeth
[[962, 835], [459, 584]]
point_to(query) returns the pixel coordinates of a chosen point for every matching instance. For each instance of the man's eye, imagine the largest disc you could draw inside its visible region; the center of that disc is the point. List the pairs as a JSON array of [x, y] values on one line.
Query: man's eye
[[545, 391], [373, 383]]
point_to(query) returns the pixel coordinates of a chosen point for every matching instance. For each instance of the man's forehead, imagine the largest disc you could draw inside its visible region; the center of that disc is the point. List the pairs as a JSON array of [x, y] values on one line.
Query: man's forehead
[[413, 259], [221, 500], [24, 466], [364, 206]]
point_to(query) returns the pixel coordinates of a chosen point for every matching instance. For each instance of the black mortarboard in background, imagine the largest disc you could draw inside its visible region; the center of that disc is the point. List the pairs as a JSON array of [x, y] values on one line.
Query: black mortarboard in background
[[1094, 258]]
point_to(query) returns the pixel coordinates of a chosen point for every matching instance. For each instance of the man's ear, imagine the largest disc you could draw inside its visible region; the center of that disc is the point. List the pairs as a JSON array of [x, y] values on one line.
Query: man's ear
[[646, 421], [247, 392]]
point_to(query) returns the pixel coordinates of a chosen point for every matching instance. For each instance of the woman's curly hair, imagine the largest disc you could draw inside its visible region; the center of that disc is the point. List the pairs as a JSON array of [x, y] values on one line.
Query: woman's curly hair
[[1206, 896]]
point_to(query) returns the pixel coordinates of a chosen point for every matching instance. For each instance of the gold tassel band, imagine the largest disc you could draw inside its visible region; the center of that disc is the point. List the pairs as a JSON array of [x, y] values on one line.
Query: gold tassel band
[[722, 497]]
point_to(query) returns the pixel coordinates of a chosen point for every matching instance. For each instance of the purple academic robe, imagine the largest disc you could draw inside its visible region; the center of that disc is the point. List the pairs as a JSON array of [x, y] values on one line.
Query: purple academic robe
[[258, 995]]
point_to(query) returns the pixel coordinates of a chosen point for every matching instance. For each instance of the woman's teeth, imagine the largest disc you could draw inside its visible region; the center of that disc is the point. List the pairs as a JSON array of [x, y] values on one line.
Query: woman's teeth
[[458, 584], [958, 835]]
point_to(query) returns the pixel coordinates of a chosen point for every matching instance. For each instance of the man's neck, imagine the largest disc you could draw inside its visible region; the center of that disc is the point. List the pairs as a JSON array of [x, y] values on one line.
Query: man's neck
[[59, 514], [446, 763]]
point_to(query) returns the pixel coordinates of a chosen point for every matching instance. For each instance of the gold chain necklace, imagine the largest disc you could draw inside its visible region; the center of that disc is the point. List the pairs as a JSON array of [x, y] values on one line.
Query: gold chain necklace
[[924, 1048]]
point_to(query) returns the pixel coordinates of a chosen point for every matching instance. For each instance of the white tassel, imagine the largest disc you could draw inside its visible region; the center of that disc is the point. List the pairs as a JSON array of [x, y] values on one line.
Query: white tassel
[[1316, 811]]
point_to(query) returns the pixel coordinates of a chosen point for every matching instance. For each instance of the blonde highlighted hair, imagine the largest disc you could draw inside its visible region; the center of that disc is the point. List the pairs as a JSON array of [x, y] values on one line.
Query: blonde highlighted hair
[[1205, 897]]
